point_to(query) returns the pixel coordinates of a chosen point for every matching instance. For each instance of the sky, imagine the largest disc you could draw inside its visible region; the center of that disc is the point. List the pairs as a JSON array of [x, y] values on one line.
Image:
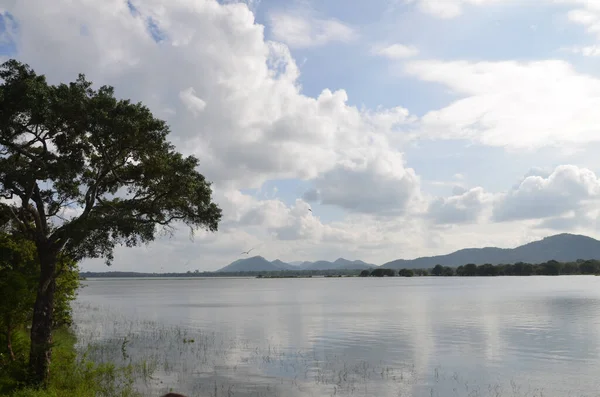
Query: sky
[[408, 127]]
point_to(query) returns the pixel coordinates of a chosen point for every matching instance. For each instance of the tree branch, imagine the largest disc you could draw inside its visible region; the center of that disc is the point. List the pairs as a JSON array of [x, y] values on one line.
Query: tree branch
[[41, 210]]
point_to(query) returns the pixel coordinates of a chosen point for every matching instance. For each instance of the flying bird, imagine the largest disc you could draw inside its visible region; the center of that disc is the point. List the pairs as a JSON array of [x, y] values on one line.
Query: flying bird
[[247, 252], [310, 210]]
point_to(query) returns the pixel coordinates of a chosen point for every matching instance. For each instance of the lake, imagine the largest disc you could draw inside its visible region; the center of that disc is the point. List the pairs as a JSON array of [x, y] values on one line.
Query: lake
[[422, 336]]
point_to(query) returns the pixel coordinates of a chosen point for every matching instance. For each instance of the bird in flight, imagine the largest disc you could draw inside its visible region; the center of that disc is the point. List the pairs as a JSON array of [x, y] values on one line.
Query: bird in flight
[[310, 210], [247, 252]]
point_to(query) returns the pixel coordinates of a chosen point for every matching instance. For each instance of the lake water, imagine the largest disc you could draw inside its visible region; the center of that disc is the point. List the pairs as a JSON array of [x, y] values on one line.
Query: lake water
[[425, 336]]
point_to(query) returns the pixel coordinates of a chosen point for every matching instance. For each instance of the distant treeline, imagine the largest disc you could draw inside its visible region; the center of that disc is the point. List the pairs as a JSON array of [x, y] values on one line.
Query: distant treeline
[[271, 274], [550, 268]]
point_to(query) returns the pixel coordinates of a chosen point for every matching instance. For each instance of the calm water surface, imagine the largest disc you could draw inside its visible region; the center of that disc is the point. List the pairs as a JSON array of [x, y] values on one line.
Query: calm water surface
[[505, 336]]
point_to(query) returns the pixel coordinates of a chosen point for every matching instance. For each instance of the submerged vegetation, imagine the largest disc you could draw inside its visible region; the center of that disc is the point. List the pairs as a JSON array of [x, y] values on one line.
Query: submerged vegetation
[[158, 358]]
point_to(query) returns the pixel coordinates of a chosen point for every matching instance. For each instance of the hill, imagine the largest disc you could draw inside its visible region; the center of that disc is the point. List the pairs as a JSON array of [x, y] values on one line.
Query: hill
[[338, 264], [561, 247], [260, 264], [256, 264]]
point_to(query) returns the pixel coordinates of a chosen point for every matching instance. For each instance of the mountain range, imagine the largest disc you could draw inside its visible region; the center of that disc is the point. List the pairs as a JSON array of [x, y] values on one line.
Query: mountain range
[[561, 247], [260, 264]]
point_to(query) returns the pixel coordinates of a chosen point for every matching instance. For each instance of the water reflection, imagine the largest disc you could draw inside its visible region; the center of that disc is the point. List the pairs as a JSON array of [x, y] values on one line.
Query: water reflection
[[421, 336]]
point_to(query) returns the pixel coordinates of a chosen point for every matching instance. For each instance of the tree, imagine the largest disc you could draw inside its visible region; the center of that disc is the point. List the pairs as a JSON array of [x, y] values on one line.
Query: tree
[[364, 273], [381, 272], [19, 273], [70, 149], [406, 273], [470, 270], [487, 270], [550, 268], [448, 271], [17, 278], [438, 270], [589, 267]]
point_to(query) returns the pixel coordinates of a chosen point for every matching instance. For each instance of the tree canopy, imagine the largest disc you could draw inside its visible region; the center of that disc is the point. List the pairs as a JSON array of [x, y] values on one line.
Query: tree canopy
[[86, 171], [82, 172]]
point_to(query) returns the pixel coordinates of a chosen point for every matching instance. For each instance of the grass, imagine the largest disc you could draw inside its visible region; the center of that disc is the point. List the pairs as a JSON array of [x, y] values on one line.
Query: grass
[[72, 374]]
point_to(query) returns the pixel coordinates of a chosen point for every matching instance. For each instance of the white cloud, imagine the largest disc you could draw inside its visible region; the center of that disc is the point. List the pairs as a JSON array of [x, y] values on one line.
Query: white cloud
[[245, 118], [234, 100], [587, 51], [449, 8], [300, 31], [463, 207], [567, 190], [191, 101], [394, 51], [588, 14], [513, 104], [369, 183]]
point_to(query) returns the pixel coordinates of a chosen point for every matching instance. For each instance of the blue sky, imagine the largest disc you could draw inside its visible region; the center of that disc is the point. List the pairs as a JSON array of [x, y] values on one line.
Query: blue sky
[[386, 117], [517, 31]]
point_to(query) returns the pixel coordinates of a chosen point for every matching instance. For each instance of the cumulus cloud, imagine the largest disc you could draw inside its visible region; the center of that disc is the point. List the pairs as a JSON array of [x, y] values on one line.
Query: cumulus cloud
[[369, 183], [448, 9], [587, 51], [231, 97], [513, 104], [301, 31], [568, 189], [394, 51], [462, 207], [234, 99], [587, 14], [191, 101]]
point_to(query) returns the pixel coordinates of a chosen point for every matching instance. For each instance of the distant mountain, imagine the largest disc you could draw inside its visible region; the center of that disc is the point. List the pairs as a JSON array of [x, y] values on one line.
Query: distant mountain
[[561, 247], [342, 263], [256, 264], [283, 266], [260, 264], [338, 264]]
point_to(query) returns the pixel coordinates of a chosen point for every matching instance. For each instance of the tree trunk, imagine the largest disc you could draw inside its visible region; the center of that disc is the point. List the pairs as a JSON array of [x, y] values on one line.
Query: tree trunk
[[41, 325], [9, 343]]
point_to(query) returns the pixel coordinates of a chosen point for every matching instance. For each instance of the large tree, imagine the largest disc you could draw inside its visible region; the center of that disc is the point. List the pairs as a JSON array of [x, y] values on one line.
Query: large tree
[[82, 172]]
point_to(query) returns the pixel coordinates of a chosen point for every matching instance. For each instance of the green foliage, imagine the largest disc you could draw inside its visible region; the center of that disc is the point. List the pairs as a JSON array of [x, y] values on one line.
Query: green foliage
[[72, 147], [438, 270], [381, 272], [406, 273], [19, 275], [18, 281], [67, 285], [70, 375], [550, 268], [68, 148]]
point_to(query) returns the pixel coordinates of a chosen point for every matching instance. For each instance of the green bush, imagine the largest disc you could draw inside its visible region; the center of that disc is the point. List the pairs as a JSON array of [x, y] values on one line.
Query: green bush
[[69, 375]]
